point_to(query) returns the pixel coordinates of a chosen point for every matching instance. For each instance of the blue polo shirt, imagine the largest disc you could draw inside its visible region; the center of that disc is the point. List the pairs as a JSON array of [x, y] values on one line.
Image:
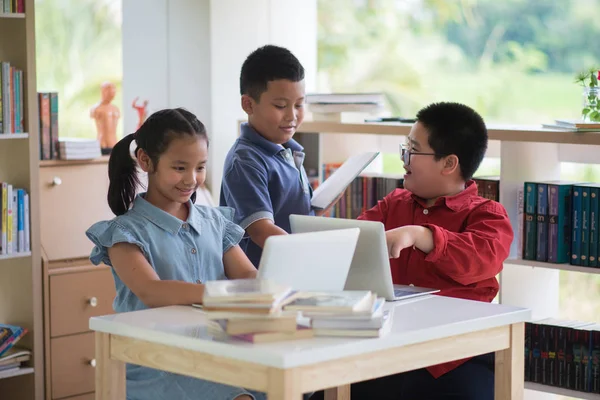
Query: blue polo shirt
[[264, 180]]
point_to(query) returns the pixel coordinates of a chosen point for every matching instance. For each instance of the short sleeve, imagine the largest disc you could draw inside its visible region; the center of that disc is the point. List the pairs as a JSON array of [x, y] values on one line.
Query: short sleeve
[[245, 188], [232, 233], [106, 234]]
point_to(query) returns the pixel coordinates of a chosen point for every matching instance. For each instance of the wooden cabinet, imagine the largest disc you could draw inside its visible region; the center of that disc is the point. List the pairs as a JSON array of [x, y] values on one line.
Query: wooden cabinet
[[73, 197]]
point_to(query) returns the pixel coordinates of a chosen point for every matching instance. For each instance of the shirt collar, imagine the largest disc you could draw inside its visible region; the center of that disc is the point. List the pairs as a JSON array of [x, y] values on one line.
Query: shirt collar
[[254, 137], [456, 202], [163, 219]]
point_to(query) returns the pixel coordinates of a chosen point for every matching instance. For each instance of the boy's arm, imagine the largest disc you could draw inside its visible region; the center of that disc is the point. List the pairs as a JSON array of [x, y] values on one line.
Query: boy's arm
[[138, 275], [260, 230], [466, 257], [246, 189], [237, 265]]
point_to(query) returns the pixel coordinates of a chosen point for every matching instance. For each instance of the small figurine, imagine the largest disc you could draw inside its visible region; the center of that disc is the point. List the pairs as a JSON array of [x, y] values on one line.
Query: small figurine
[[106, 116], [141, 110]]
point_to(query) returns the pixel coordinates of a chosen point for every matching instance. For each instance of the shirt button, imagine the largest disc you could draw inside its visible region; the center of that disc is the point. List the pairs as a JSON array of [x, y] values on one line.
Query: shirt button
[[425, 211], [198, 281], [193, 251], [412, 284], [184, 226]]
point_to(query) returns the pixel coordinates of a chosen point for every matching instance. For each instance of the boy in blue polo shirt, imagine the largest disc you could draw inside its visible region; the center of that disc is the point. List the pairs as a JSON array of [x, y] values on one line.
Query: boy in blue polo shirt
[[264, 178]]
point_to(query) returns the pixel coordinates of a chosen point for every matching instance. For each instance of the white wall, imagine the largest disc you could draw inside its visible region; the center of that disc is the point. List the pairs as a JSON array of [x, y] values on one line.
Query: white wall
[[189, 53]]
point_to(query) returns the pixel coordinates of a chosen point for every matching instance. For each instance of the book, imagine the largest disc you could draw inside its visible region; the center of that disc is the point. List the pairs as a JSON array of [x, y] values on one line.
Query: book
[[334, 186], [374, 330], [577, 124], [258, 325], [244, 291], [346, 301], [301, 332]]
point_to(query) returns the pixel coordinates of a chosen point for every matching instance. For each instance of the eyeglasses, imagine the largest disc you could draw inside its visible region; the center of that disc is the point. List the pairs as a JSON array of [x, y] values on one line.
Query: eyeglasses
[[405, 153]]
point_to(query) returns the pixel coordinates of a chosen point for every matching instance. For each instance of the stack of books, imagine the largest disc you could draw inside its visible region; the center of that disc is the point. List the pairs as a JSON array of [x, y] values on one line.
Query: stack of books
[[78, 149], [354, 313], [573, 125], [251, 310], [12, 361]]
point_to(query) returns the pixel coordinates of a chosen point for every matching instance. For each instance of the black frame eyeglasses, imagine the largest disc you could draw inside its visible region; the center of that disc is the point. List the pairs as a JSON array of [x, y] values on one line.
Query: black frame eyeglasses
[[405, 153]]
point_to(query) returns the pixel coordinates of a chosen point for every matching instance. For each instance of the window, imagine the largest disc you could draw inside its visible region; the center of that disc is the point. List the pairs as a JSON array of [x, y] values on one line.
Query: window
[[78, 47]]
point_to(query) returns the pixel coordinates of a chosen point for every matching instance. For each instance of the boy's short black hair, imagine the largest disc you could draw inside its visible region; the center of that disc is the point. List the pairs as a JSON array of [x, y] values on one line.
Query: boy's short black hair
[[456, 129], [268, 63]]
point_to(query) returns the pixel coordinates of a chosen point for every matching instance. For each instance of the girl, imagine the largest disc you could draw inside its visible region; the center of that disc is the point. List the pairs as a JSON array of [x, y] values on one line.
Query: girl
[[161, 246]]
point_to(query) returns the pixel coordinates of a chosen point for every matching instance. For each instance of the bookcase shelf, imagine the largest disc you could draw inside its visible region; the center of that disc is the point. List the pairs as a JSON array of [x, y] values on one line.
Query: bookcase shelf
[[563, 267], [538, 387], [10, 136], [17, 372], [508, 133], [21, 273], [12, 15], [15, 255]]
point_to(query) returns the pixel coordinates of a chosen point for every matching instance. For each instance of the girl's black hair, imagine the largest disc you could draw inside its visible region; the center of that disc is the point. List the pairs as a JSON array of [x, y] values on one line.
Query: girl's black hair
[[154, 137]]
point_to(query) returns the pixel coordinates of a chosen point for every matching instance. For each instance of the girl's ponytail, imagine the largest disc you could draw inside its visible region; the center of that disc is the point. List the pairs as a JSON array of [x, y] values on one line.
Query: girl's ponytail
[[122, 174]]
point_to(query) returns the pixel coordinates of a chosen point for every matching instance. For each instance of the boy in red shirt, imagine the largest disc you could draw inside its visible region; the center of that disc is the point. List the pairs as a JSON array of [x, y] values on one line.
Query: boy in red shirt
[[441, 234]]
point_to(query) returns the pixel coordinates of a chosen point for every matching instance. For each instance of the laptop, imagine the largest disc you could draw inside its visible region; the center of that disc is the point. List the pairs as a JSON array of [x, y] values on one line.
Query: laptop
[[312, 261], [370, 269]]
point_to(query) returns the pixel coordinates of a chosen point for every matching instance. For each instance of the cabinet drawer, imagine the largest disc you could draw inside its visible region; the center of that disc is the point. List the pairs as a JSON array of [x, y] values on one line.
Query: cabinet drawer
[[72, 199], [75, 297], [73, 364]]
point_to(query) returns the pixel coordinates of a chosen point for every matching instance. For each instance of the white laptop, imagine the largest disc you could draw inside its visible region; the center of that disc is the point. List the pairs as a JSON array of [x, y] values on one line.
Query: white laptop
[[370, 269], [315, 261]]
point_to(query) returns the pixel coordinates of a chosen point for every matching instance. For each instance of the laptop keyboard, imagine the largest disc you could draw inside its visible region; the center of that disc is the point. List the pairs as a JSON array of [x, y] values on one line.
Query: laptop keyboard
[[403, 292]]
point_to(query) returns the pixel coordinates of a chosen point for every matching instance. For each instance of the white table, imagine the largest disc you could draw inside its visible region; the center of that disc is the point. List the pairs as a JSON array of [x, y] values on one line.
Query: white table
[[426, 332]]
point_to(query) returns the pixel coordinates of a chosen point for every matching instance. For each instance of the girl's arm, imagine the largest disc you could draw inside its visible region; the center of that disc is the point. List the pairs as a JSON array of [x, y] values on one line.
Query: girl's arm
[[136, 273], [237, 265]]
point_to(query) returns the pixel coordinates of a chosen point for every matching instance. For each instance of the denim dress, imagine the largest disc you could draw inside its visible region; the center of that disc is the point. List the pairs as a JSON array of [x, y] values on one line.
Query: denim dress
[[190, 251]]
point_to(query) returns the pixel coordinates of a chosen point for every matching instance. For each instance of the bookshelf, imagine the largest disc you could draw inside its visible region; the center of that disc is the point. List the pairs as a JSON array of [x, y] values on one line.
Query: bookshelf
[[20, 274], [528, 153]]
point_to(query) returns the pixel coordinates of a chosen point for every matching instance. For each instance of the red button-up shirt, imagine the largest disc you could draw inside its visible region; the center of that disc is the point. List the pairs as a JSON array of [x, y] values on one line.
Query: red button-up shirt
[[471, 236]]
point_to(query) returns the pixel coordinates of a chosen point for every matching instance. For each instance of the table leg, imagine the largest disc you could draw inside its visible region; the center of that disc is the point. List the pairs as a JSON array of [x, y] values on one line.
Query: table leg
[[510, 368], [110, 374], [338, 393], [283, 385]]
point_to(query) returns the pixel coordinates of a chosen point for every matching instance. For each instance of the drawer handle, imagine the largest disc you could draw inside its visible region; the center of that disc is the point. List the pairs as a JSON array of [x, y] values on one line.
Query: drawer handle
[[56, 181], [92, 363], [93, 302]]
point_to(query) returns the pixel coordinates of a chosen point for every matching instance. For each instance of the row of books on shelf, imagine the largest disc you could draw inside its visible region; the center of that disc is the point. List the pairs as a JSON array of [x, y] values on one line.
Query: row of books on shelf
[[564, 354], [259, 311], [488, 187], [11, 99], [560, 222], [12, 357], [12, 6], [362, 194], [14, 220]]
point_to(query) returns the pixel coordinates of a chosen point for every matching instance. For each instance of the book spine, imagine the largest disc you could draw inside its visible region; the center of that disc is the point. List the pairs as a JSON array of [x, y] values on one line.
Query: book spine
[[1, 95], [6, 96], [15, 220], [4, 218], [520, 222], [527, 360], [21, 220], [561, 352], [530, 221], [595, 372], [536, 356], [542, 223], [53, 125], [26, 227], [585, 226], [564, 223], [553, 201], [44, 104], [576, 226], [570, 381], [593, 256]]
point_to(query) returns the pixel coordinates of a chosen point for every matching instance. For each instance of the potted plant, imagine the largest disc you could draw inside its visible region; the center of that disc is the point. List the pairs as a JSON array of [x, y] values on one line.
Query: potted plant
[[591, 94]]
